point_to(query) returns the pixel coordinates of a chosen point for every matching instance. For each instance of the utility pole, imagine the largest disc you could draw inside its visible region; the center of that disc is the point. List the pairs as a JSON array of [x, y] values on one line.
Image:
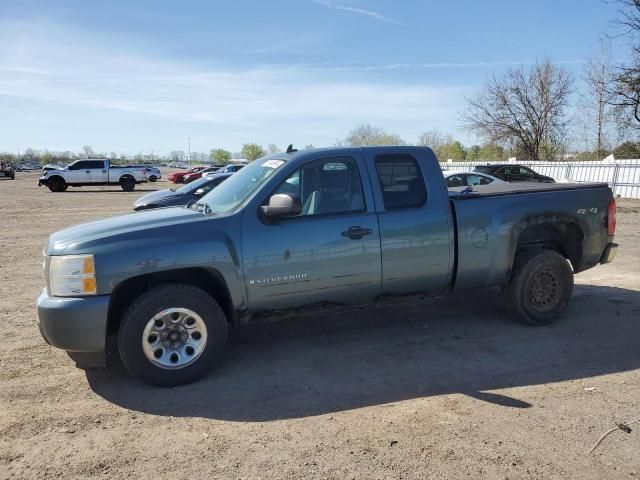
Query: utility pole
[[189, 151]]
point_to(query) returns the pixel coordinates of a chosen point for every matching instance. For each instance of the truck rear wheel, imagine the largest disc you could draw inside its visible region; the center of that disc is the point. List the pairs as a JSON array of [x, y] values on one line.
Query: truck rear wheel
[[57, 184], [172, 335], [153, 178], [128, 183], [540, 287]]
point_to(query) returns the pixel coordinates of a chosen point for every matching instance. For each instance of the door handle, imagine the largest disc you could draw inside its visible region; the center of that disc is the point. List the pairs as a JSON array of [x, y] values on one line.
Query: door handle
[[356, 233], [87, 171]]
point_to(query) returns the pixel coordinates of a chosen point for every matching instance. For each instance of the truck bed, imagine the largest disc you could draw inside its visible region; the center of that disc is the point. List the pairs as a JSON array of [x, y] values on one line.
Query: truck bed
[[488, 226], [497, 189]]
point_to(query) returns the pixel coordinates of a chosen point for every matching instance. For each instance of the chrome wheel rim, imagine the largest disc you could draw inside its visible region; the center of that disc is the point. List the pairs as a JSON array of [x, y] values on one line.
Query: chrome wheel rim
[[174, 338]]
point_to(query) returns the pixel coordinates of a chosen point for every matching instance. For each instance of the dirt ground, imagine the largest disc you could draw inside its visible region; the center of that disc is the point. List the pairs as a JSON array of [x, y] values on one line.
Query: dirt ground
[[433, 388]]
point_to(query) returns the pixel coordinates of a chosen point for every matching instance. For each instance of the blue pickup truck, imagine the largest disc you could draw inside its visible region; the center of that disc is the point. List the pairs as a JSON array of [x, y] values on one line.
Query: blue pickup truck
[[316, 227]]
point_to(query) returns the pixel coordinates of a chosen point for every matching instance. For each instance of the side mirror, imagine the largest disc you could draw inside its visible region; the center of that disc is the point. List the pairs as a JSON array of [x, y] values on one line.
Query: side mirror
[[282, 205]]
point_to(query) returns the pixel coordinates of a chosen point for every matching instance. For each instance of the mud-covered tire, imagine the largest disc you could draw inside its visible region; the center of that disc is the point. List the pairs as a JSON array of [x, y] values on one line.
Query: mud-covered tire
[[128, 184], [157, 303], [57, 184], [540, 286]]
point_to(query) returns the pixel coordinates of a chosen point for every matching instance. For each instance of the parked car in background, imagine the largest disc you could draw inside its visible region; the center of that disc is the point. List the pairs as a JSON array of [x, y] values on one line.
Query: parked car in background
[[510, 172], [178, 177], [153, 173], [7, 170], [469, 179], [92, 172], [26, 166], [313, 227], [232, 168], [190, 177], [184, 195], [227, 169]]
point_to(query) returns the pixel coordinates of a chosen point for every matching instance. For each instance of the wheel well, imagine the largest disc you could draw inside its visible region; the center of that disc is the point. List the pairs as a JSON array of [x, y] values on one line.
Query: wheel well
[[126, 176], [59, 177], [564, 237], [209, 280]]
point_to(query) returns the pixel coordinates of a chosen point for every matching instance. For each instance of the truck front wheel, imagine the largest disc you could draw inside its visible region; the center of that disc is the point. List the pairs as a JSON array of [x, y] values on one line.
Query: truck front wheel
[[540, 287], [57, 184], [128, 183], [172, 335]]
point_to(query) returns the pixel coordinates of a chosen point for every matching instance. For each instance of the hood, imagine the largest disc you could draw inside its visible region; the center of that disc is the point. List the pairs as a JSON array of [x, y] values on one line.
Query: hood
[[156, 197], [50, 166], [86, 237]]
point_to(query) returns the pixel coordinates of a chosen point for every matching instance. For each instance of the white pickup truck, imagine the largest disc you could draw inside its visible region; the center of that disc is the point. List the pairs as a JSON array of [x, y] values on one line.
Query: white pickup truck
[[92, 172]]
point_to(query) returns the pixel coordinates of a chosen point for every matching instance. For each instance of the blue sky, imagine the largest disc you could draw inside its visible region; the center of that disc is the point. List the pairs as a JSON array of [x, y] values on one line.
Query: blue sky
[[131, 76]]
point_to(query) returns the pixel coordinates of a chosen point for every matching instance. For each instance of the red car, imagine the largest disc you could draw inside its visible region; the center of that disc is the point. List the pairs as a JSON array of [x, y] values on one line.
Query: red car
[[178, 177], [190, 177]]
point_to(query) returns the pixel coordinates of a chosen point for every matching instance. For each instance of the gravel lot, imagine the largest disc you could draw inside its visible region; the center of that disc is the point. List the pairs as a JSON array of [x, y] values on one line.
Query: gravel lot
[[431, 388]]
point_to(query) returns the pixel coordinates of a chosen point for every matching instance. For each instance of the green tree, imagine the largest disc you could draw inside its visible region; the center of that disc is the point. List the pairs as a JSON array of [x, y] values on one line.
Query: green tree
[[220, 156], [627, 150], [45, 158], [491, 151], [252, 151], [309, 146], [273, 148], [454, 151], [473, 153]]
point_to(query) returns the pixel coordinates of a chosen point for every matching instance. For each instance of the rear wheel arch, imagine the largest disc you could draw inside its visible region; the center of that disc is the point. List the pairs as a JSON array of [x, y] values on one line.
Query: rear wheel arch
[[207, 279], [560, 234]]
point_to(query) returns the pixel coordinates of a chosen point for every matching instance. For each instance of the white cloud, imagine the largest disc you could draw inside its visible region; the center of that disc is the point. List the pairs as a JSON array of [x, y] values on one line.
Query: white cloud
[[264, 104], [357, 11]]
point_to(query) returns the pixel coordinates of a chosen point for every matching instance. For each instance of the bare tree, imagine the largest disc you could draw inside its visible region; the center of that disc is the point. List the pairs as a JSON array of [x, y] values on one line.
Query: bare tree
[[366, 134], [434, 139], [88, 151], [525, 108], [626, 87], [598, 76]]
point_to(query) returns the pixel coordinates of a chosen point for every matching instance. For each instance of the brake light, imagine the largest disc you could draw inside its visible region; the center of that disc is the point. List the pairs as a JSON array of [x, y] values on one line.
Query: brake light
[[611, 217]]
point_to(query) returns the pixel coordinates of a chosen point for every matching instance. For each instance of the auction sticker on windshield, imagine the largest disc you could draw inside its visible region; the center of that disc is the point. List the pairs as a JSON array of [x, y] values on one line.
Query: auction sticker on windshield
[[273, 163]]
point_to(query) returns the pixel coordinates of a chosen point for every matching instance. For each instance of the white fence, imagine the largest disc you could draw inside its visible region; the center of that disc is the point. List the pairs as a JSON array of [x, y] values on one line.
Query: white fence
[[622, 176]]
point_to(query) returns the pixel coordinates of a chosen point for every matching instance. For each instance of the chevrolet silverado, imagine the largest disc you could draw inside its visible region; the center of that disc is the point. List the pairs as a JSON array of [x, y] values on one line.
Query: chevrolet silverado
[[324, 226]]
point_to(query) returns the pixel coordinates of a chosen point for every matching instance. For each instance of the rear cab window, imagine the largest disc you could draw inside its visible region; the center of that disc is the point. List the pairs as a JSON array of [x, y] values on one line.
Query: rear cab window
[[401, 181]]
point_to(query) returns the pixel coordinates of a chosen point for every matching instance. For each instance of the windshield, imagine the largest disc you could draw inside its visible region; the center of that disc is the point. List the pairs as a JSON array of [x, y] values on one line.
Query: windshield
[[240, 186]]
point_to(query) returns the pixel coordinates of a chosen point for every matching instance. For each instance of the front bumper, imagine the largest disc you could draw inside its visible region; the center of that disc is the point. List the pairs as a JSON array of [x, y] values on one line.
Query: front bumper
[[43, 181], [74, 324], [609, 253]]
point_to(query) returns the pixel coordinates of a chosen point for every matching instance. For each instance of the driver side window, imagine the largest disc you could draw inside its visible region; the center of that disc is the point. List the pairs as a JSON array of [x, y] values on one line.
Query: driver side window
[[326, 186]]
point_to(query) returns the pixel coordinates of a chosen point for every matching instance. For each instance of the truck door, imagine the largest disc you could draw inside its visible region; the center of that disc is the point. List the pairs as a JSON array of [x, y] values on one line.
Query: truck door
[[416, 231], [329, 253], [79, 172], [99, 171]]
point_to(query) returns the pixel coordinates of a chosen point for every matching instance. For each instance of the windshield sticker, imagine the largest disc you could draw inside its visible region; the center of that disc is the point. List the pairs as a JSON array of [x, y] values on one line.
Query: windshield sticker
[[273, 163]]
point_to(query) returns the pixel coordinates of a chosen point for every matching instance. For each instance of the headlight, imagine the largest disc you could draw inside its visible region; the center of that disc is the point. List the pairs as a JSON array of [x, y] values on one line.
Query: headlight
[[72, 275]]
